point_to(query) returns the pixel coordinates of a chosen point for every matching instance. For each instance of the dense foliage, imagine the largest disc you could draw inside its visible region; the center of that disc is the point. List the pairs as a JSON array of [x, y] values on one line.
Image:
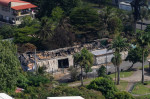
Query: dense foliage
[[135, 55], [123, 95], [68, 91], [10, 66], [106, 86]]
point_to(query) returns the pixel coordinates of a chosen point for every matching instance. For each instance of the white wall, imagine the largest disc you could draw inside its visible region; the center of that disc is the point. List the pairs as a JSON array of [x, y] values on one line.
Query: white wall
[[102, 59]]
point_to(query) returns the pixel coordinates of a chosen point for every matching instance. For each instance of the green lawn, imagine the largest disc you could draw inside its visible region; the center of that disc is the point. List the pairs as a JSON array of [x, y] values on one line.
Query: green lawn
[[123, 85], [123, 74], [141, 89]]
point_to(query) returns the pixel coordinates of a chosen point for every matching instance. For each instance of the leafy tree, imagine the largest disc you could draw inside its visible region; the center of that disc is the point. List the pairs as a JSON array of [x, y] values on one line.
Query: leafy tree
[[143, 41], [123, 95], [84, 20], [28, 21], [85, 60], [106, 14], [104, 85], [7, 31], [57, 14], [115, 25], [102, 71], [135, 55], [119, 44], [10, 66]]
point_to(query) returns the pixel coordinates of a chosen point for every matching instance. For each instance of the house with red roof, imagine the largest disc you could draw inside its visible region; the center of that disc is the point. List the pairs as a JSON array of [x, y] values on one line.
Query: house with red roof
[[12, 11]]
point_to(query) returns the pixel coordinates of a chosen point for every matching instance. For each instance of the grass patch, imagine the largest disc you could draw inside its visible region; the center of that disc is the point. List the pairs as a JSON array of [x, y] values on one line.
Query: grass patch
[[146, 66], [122, 74], [141, 89], [143, 97], [123, 85]]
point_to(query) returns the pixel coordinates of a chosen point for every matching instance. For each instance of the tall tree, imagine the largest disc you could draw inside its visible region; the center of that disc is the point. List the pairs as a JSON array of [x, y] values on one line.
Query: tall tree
[[143, 41], [116, 60], [10, 66], [106, 14], [85, 60], [119, 44], [136, 6]]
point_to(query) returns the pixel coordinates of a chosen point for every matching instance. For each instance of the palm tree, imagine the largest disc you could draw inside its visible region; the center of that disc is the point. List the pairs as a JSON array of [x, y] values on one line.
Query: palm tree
[[119, 44], [116, 60], [143, 41], [46, 29], [85, 60]]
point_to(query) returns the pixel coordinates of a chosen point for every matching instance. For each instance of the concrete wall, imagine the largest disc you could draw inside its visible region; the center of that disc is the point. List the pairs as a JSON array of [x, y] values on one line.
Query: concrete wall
[[102, 59], [52, 64]]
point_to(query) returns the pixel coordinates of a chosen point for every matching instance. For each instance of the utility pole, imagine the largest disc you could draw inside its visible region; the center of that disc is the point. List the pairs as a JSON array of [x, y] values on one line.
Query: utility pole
[[106, 62], [35, 61]]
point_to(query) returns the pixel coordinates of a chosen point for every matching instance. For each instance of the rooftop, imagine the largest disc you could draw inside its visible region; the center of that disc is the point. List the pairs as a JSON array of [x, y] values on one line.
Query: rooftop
[[17, 4]]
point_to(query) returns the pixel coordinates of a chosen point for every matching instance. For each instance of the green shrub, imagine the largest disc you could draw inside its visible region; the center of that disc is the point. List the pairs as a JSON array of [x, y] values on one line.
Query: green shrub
[[74, 73], [102, 71], [106, 86], [22, 81], [82, 91], [36, 80], [123, 95]]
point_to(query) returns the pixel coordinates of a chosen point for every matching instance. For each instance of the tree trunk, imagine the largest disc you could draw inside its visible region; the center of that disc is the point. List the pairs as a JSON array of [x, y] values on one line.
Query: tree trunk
[[131, 66], [116, 1], [149, 66], [115, 74], [81, 76], [141, 24], [86, 75], [99, 2], [118, 78], [134, 27], [143, 66]]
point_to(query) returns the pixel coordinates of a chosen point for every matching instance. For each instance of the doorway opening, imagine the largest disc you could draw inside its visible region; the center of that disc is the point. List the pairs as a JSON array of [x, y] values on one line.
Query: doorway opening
[[63, 63]]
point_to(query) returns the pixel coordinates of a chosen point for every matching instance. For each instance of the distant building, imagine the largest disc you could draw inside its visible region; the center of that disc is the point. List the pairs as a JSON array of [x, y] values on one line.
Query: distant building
[[125, 6], [67, 97], [103, 55], [12, 11]]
